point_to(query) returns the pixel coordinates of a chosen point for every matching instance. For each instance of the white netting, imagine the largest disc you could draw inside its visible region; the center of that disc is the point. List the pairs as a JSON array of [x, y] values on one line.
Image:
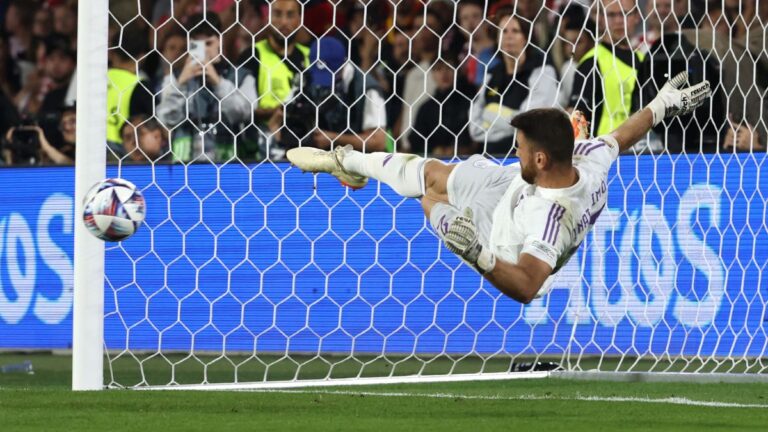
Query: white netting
[[248, 271]]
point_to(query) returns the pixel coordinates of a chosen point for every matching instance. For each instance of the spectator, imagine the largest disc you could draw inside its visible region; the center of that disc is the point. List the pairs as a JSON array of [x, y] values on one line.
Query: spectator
[[669, 54], [392, 69], [417, 87], [180, 10], [531, 11], [348, 103], [251, 24], [127, 93], [152, 139], [9, 117], [28, 144], [201, 120], [10, 73], [742, 137], [41, 27], [267, 75], [172, 46], [440, 128], [522, 80], [46, 87], [65, 21], [575, 39], [479, 46], [743, 76], [19, 20], [605, 87]]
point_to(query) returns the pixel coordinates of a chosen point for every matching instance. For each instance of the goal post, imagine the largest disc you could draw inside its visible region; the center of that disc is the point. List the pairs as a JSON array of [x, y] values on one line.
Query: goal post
[[90, 168], [249, 274]]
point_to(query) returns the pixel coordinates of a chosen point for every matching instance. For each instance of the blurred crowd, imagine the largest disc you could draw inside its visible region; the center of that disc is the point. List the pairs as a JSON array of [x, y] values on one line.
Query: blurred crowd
[[213, 80]]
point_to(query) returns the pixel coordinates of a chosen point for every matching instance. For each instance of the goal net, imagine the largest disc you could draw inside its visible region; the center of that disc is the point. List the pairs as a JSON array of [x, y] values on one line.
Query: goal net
[[247, 271]]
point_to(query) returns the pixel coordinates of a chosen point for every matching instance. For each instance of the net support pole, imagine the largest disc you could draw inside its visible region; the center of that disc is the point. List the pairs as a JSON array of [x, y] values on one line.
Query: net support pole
[[90, 167]]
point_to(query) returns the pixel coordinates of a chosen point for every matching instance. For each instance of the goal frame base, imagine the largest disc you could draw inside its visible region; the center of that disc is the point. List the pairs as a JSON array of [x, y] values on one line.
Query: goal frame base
[[341, 382], [699, 378]]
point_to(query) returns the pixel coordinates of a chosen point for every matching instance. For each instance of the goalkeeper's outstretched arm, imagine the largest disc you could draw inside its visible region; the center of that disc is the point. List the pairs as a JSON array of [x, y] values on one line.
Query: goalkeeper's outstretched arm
[[671, 101], [521, 281]]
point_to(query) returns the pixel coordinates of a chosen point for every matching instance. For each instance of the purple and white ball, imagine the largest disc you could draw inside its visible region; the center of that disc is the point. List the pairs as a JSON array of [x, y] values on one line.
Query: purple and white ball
[[113, 209]]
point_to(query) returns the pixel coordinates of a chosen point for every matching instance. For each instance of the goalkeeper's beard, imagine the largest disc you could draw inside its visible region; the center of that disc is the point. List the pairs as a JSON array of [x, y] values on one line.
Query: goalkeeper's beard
[[528, 173]]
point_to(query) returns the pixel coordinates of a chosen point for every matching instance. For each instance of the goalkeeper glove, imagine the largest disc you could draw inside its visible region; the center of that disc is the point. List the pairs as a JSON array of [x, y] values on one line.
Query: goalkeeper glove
[[462, 240], [673, 101]]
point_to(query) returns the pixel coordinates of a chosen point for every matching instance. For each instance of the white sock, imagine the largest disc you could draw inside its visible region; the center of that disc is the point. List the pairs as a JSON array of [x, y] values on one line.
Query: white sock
[[401, 171]]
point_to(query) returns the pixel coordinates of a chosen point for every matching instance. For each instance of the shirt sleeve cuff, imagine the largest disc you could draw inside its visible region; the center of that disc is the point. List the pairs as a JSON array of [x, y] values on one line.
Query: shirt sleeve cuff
[[540, 250], [612, 144]]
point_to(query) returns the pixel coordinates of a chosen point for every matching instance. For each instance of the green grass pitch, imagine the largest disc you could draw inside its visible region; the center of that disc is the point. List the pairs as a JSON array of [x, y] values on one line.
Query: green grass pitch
[[42, 401]]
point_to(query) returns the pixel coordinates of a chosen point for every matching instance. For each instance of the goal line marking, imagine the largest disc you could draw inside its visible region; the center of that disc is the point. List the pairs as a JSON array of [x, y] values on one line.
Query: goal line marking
[[578, 397]]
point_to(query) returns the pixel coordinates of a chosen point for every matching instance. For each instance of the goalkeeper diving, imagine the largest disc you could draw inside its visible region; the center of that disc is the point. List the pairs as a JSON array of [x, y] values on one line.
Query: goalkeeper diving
[[517, 225]]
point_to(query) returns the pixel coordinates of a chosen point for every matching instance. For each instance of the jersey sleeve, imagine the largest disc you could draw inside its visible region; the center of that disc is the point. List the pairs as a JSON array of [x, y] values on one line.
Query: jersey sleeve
[[545, 236], [600, 152]]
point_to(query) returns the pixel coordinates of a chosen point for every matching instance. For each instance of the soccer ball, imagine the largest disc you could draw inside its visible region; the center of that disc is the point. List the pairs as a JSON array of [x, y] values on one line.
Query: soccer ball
[[113, 209]]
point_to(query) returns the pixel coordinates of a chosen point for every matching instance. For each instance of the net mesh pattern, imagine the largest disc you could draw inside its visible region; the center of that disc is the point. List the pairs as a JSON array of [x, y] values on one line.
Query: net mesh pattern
[[247, 270]]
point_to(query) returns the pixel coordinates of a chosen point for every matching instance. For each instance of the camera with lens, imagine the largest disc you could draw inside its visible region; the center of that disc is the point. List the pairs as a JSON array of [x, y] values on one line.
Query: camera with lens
[[314, 107], [25, 142]]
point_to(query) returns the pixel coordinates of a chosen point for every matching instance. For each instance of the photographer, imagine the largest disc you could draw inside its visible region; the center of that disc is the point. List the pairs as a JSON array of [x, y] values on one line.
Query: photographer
[[27, 144], [206, 116], [338, 104]]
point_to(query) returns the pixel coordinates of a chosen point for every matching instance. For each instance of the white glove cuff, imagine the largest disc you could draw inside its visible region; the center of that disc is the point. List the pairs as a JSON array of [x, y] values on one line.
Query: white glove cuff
[[486, 261], [658, 109]]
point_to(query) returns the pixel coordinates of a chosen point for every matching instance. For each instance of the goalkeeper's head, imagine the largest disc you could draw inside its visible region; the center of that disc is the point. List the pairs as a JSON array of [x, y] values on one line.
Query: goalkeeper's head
[[544, 142]]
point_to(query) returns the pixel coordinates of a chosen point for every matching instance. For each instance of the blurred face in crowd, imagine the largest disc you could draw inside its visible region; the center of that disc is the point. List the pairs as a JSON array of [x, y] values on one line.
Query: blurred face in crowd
[[64, 20], [185, 8], [175, 45], [443, 75], [151, 141], [59, 67], [529, 9], [667, 13], [128, 134], [512, 39], [11, 19], [355, 22], [425, 34], [67, 126], [620, 18], [400, 47], [42, 24], [470, 17], [250, 18], [285, 17]]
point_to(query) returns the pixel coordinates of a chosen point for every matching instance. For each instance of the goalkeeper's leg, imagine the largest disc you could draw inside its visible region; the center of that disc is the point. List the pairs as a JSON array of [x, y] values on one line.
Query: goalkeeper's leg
[[409, 175]]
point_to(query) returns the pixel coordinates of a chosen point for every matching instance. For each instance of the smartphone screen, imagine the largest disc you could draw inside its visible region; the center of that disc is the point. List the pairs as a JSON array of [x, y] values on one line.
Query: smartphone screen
[[197, 50]]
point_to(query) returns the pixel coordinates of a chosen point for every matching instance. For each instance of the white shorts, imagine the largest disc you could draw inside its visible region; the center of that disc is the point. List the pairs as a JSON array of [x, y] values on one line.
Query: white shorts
[[476, 183]]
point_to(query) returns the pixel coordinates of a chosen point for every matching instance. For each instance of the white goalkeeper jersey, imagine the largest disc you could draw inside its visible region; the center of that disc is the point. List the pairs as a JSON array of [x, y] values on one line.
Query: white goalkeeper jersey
[[550, 224]]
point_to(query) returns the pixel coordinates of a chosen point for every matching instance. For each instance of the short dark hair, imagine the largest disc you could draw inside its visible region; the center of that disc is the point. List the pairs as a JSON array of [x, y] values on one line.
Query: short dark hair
[[131, 46], [204, 25], [548, 129]]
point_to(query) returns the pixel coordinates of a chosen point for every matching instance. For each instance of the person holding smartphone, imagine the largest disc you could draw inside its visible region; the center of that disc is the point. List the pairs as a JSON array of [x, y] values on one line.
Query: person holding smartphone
[[201, 119]]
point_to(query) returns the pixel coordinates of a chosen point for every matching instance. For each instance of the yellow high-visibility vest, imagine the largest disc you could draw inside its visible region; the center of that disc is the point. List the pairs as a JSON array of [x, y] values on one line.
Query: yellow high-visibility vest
[[275, 77], [619, 81], [120, 86]]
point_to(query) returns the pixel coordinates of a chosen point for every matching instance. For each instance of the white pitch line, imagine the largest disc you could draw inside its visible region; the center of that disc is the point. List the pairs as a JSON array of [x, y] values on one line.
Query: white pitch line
[[669, 400]]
